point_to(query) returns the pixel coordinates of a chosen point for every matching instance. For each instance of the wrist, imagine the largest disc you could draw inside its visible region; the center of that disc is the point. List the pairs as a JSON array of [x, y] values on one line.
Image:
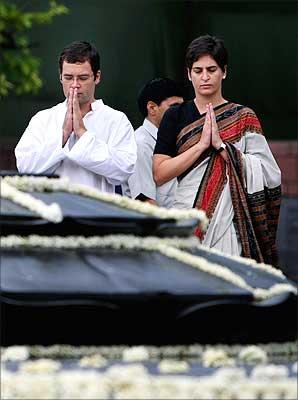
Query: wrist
[[221, 147], [80, 132]]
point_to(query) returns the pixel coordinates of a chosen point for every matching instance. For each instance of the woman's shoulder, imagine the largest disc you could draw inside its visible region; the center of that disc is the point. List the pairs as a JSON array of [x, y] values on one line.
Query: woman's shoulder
[[242, 109]]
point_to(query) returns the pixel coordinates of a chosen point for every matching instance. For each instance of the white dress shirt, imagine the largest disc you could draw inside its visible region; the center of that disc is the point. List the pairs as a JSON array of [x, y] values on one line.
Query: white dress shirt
[[104, 156], [141, 181]]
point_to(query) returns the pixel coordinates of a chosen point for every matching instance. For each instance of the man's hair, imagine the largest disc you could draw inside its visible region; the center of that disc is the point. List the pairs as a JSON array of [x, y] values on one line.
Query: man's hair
[[79, 52], [157, 90], [207, 45]]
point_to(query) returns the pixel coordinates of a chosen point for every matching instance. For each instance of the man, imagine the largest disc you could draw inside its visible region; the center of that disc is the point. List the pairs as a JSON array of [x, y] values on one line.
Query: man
[[81, 138], [153, 100]]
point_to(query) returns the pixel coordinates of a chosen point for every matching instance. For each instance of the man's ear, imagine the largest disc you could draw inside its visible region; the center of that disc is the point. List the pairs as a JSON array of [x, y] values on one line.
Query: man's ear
[[151, 108], [97, 77], [60, 78]]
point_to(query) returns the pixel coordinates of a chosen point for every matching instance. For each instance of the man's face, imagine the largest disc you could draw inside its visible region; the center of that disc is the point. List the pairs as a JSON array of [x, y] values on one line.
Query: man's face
[[206, 76], [165, 104], [79, 76]]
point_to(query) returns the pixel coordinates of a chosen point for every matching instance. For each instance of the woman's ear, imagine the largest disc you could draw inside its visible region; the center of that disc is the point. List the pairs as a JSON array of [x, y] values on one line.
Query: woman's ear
[[225, 73], [188, 74]]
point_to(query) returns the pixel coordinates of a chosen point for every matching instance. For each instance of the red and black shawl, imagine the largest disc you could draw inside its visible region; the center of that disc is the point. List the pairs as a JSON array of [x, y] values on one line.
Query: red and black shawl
[[255, 215]]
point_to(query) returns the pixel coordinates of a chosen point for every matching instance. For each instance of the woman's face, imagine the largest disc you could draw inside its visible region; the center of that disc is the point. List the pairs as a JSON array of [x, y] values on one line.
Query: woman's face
[[206, 77]]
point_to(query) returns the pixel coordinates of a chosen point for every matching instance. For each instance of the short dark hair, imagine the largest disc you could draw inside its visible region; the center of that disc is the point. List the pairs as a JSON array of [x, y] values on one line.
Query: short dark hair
[[79, 52], [207, 45], [157, 90]]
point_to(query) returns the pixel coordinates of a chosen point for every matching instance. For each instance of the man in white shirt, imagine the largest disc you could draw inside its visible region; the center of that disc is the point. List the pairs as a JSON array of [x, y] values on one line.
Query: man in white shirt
[[153, 100], [81, 138]]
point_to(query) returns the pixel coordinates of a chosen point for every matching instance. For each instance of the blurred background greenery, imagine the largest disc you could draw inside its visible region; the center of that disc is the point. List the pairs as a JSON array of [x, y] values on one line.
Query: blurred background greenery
[[141, 39]]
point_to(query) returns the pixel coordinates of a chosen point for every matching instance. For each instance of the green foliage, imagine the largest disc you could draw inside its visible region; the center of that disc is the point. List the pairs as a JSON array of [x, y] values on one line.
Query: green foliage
[[19, 69]]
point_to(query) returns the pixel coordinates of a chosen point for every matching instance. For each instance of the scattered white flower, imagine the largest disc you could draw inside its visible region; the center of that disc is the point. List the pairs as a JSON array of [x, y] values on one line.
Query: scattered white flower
[[269, 372], [82, 385], [95, 361], [253, 355], [135, 353], [42, 365], [216, 358], [169, 366], [15, 353], [34, 386], [230, 374]]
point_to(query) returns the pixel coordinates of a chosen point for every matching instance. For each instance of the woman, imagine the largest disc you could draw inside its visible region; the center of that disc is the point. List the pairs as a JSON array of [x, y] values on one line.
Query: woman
[[218, 152]]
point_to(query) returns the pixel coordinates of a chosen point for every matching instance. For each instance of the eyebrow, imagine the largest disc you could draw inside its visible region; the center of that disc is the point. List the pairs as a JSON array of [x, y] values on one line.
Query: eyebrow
[[81, 75], [210, 66]]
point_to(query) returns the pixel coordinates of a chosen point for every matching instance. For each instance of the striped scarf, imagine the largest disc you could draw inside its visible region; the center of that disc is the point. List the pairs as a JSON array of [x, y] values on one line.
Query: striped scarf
[[255, 215]]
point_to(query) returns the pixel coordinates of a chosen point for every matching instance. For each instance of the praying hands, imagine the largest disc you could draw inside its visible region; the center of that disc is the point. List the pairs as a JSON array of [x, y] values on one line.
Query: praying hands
[[73, 121]]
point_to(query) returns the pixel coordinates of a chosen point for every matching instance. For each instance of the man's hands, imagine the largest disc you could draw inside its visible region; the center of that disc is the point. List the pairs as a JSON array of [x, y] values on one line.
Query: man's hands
[[73, 121]]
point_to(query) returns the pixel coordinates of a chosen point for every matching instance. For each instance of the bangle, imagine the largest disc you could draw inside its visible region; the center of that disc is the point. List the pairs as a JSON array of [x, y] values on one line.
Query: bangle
[[221, 147]]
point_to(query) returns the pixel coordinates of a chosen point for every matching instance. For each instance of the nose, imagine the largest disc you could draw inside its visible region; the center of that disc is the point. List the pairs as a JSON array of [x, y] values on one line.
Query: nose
[[75, 83], [205, 75]]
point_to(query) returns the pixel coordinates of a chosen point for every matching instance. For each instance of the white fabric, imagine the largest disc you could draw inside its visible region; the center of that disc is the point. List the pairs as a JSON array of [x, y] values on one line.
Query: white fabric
[[104, 156], [261, 171], [141, 181]]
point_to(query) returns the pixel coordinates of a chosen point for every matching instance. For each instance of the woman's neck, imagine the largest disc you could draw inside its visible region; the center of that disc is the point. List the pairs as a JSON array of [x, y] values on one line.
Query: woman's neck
[[201, 102]]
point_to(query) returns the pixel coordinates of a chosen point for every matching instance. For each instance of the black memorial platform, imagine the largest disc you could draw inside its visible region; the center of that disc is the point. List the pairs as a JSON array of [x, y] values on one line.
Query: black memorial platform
[[115, 296]]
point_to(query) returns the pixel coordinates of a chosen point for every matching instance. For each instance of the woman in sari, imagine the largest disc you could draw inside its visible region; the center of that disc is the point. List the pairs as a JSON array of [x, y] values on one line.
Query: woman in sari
[[218, 152]]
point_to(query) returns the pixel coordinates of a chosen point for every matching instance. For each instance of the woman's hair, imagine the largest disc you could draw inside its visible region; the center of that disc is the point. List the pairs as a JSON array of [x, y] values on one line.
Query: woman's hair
[[207, 45], [79, 52]]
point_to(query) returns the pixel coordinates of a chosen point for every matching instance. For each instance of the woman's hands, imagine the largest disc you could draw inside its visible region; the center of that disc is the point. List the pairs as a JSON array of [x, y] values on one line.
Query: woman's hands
[[210, 133]]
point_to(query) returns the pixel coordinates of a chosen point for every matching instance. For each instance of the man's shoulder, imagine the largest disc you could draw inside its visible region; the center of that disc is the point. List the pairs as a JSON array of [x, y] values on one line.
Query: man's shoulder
[[180, 110], [50, 110], [112, 112]]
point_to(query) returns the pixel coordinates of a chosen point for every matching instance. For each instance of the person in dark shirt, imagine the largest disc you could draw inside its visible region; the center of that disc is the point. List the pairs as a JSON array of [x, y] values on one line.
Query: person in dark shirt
[[219, 154]]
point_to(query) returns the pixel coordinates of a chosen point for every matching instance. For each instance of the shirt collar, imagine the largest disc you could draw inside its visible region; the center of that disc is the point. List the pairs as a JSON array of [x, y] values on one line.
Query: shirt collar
[[95, 105], [151, 128]]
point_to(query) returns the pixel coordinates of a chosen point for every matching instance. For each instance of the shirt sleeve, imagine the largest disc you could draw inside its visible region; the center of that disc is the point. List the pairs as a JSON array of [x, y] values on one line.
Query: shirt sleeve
[[114, 159], [167, 134], [141, 181], [39, 151]]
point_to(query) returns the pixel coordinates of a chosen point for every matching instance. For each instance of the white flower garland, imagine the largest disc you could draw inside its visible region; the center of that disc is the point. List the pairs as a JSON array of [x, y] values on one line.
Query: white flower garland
[[42, 184], [248, 261], [134, 382], [131, 242], [50, 212]]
